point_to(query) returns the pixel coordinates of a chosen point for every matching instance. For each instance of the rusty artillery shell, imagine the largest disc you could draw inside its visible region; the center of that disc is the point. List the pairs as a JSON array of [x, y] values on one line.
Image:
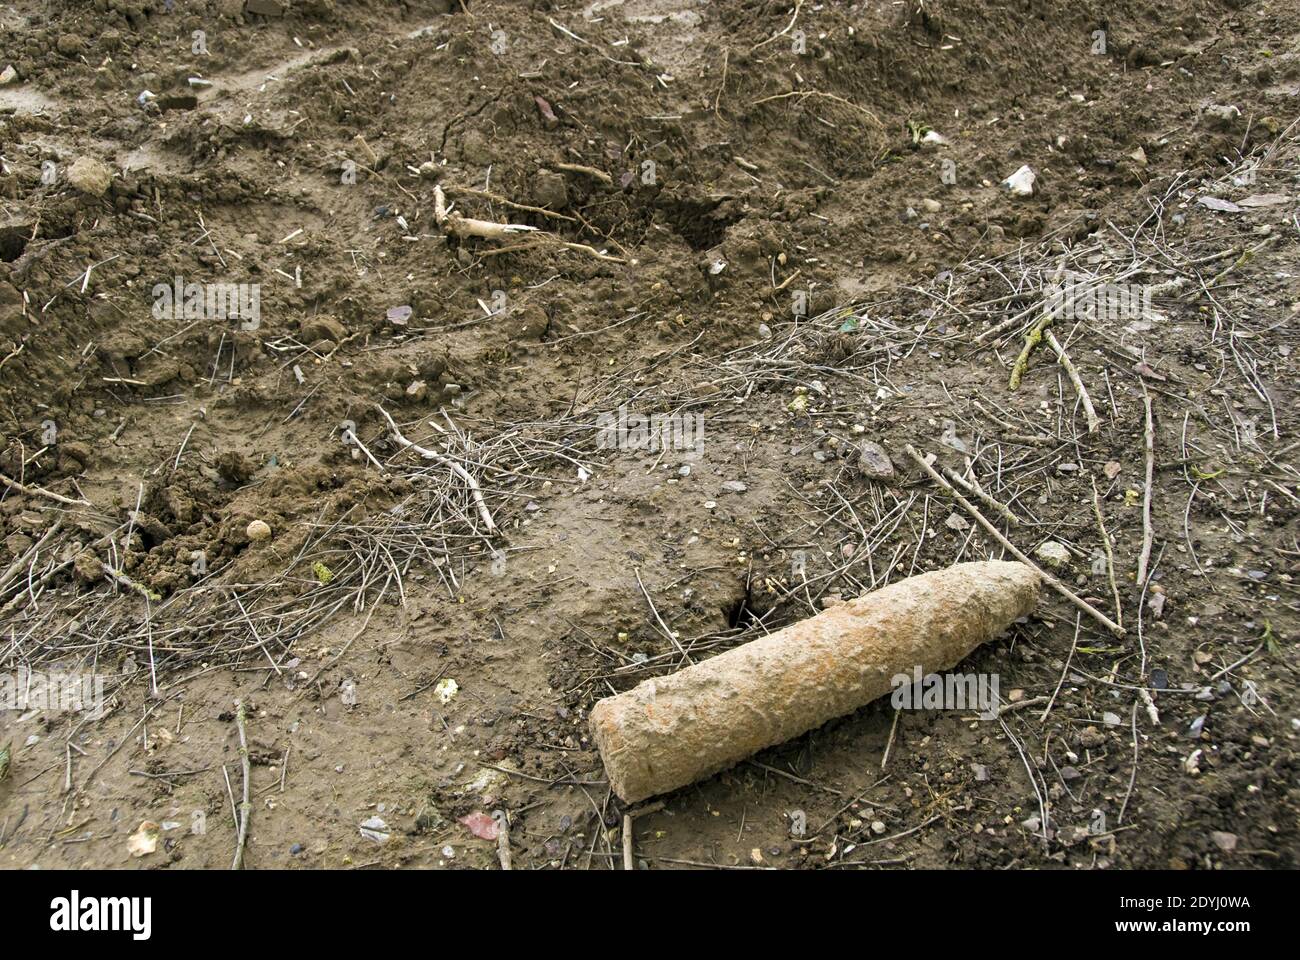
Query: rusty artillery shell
[[670, 731]]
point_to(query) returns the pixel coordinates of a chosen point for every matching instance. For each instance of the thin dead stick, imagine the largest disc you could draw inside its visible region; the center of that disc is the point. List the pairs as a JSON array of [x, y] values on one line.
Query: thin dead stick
[[545, 240], [1133, 776], [230, 792], [350, 436], [804, 94], [889, 745], [447, 462], [600, 175], [628, 863], [972, 486], [1065, 670], [1015, 551], [590, 251], [130, 734], [1094, 422], [246, 807], [35, 491], [1110, 554], [1020, 705], [29, 556], [505, 201], [1014, 320], [1148, 531], [503, 841], [788, 27]]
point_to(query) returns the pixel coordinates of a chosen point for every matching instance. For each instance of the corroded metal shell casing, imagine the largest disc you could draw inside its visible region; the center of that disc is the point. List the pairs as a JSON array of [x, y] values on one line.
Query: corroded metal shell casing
[[670, 731]]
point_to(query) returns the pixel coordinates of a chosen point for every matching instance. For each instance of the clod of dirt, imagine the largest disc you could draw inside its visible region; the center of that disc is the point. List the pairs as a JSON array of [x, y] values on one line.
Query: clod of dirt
[[235, 468], [265, 8], [90, 176], [550, 190], [671, 731], [1091, 738], [1222, 116], [322, 327], [88, 568]]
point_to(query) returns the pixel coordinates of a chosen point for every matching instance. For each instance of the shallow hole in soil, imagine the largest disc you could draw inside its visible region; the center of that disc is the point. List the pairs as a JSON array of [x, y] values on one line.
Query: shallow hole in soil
[[699, 223], [13, 241], [739, 615]]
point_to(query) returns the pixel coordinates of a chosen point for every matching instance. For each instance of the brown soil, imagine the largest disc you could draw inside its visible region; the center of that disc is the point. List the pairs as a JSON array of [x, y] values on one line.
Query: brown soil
[[710, 165]]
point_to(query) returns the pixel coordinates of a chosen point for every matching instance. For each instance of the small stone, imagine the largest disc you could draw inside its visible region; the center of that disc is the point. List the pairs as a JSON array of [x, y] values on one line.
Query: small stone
[[1022, 183], [90, 176], [445, 690], [877, 827], [69, 44], [1227, 842], [417, 390], [1053, 554], [930, 206], [874, 462], [8, 76], [734, 486], [259, 530]]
